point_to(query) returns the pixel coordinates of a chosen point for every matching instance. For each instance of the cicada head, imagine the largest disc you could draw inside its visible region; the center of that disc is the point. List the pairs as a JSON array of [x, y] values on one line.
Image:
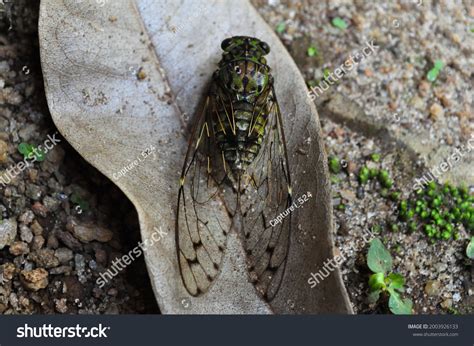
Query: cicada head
[[244, 46], [243, 70]]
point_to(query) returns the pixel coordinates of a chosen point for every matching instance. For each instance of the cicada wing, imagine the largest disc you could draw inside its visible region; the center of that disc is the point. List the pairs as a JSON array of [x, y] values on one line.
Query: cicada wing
[[267, 194], [201, 229]]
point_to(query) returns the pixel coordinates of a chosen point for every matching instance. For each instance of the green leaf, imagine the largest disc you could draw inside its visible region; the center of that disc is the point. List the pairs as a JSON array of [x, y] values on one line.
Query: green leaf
[[377, 281], [281, 27], [396, 281], [40, 156], [398, 305], [312, 51], [339, 23], [326, 73], [438, 65], [433, 73], [25, 149], [28, 152], [375, 157], [374, 296], [379, 259], [334, 165], [470, 249]]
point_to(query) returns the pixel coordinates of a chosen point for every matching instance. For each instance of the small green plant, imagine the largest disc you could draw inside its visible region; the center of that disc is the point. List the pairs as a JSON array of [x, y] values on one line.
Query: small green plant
[[470, 249], [384, 179], [364, 175], [384, 281], [439, 210], [281, 28], [312, 51], [376, 229], [312, 83], [29, 152], [78, 200], [433, 73], [334, 165], [326, 73], [375, 157], [339, 23]]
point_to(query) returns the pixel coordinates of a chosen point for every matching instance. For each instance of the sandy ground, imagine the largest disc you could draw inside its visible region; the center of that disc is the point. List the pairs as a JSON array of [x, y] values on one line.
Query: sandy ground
[[390, 86]]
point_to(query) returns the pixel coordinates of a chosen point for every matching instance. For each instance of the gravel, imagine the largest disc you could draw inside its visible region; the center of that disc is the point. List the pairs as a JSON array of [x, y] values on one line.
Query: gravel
[[52, 250], [391, 89], [8, 231], [434, 272]]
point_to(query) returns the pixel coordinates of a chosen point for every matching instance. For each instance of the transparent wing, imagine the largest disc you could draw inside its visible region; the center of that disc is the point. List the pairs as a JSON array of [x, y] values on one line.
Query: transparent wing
[[201, 231], [266, 195]]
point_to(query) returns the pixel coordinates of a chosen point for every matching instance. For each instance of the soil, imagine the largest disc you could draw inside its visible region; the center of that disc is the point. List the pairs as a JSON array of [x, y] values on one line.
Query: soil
[[68, 221]]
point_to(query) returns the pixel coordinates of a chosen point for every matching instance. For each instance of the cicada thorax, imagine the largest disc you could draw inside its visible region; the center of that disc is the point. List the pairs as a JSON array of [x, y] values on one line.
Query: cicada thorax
[[241, 89]]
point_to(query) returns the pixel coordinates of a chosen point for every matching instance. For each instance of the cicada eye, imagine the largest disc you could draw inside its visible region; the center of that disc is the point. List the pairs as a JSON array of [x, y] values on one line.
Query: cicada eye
[[265, 47], [226, 43], [237, 70]]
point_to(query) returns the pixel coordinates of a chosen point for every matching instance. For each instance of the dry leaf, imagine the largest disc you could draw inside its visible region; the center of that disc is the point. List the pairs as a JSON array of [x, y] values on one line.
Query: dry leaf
[[125, 77]]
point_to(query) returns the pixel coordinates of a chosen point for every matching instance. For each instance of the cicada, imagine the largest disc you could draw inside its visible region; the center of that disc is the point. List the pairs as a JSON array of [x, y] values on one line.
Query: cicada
[[238, 144]]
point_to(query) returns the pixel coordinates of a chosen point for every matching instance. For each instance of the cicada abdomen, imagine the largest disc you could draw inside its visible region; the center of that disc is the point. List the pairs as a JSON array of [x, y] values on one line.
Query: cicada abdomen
[[237, 141]]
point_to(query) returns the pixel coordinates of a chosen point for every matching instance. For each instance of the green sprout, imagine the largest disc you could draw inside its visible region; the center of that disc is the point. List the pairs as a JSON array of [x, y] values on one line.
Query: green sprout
[[281, 27], [375, 157], [339, 23], [312, 51], [394, 227], [373, 172], [384, 179], [440, 210], [326, 73], [29, 151], [364, 175], [412, 226], [376, 229], [312, 83], [78, 200], [384, 281], [433, 73], [334, 165], [470, 249], [395, 196]]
